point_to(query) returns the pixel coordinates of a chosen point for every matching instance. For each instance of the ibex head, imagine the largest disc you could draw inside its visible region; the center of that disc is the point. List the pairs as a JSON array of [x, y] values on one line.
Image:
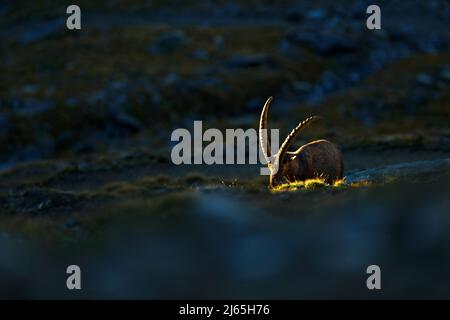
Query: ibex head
[[317, 158]]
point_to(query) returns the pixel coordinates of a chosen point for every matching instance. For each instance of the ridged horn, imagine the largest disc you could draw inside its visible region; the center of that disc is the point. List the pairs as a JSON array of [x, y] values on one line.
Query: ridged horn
[[263, 131], [291, 137]]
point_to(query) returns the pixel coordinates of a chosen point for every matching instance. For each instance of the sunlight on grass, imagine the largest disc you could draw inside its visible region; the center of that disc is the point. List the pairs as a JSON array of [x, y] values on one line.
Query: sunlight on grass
[[296, 185], [318, 183]]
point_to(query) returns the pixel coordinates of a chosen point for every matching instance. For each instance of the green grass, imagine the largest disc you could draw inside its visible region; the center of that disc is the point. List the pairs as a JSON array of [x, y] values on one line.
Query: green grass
[[316, 183], [319, 183]]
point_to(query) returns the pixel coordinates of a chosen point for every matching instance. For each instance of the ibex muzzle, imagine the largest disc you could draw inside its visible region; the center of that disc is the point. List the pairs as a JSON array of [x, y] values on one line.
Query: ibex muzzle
[[317, 159]]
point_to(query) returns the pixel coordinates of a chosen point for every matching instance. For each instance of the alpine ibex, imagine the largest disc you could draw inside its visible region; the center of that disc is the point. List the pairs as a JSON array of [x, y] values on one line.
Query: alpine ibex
[[319, 158]]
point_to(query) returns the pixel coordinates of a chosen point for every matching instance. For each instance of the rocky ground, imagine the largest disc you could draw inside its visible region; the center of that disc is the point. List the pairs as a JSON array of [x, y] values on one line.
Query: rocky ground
[[85, 170]]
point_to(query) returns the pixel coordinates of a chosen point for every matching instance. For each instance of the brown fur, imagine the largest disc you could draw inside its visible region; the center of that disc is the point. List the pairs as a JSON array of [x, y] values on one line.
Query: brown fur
[[317, 159]]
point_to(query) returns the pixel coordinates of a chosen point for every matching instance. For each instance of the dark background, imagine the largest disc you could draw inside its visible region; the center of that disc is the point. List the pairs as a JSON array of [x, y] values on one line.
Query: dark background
[[86, 176]]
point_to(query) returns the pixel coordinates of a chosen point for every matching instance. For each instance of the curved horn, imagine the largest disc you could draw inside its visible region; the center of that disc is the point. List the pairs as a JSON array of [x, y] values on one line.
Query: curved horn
[[263, 132], [290, 138]]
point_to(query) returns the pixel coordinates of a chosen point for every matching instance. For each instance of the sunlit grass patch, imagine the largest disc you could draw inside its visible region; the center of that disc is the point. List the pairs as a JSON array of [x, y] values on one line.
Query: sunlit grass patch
[[316, 183], [342, 183], [319, 183]]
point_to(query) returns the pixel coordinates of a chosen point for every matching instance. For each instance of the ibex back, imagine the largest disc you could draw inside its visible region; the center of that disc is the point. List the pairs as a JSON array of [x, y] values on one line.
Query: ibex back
[[317, 159]]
